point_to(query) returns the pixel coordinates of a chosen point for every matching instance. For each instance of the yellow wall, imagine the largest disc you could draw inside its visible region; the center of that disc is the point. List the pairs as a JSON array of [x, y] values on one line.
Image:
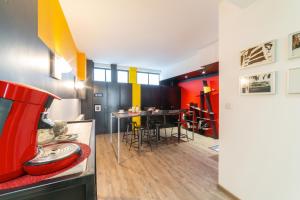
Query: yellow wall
[[136, 92], [81, 66], [54, 31], [132, 75]]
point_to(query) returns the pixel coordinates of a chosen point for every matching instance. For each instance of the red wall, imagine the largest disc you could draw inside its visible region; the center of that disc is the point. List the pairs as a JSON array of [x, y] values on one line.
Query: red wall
[[190, 91]]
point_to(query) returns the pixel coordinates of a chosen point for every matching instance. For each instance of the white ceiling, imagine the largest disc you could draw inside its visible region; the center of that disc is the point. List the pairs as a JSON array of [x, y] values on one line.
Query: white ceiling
[[143, 33], [243, 3]]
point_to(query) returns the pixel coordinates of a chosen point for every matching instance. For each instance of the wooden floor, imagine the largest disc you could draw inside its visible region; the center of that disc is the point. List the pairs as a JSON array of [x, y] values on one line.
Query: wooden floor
[[185, 171]]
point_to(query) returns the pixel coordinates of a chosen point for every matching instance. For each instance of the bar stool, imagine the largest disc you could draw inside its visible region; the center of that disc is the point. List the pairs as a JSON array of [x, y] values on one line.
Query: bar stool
[[143, 133], [182, 121], [135, 136], [162, 124], [127, 133]]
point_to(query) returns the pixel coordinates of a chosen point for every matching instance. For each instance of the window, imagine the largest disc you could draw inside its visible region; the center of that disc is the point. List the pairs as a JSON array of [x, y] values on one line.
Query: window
[[147, 78], [102, 75], [142, 78], [108, 75], [122, 76], [153, 79]]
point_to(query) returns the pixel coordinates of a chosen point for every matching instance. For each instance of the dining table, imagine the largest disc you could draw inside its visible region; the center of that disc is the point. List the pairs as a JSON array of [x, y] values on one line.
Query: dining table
[[125, 115]]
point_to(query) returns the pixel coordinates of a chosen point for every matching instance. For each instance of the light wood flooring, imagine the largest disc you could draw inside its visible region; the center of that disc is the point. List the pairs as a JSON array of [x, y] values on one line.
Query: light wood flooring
[[185, 171]]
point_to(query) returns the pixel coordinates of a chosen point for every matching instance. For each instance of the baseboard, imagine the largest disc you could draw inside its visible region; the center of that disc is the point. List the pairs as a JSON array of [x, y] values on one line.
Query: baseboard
[[227, 192]]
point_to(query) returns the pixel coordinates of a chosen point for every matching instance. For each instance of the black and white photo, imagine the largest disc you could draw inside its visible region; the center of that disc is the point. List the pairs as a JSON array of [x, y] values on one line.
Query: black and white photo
[[294, 45], [258, 55], [263, 83]]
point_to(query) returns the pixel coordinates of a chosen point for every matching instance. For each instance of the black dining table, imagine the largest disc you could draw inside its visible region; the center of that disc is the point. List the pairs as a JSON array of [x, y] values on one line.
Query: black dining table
[[126, 115]]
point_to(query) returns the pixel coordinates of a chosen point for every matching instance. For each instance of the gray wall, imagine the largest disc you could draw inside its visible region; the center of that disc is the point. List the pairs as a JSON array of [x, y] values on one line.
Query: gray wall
[[87, 104], [23, 56]]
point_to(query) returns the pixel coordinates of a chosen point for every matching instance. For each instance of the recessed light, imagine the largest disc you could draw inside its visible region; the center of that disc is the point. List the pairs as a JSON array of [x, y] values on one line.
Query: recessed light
[[185, 76], [203, 72]]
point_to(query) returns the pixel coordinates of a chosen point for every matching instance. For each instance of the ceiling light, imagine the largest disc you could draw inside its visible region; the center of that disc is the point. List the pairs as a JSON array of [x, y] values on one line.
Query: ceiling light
[[186, 76], [203, 72]]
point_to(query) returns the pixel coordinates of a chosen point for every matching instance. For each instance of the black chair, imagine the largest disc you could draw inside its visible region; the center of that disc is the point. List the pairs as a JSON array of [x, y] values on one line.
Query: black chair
[[182, 121], [129, 130], [144, 133], [135, 136], [161, 123]]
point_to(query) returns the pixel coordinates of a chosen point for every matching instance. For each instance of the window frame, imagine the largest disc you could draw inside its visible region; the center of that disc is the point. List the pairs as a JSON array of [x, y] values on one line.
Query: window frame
[[127, 76], [142, 73], [148, 73], [149, 78], [105, 69]]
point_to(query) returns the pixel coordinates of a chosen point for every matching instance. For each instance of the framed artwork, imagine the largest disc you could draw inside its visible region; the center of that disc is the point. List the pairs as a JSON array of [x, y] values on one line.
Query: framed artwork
[[259, 55], [294, 45], [54, 70], [293, 81], [98, 108], [261, 83]]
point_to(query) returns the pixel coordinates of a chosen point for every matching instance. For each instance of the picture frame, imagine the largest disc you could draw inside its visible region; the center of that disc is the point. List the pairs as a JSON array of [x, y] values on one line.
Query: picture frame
[[294, 45], [293, 80], [54, 71], [261, 54], [258, 83], [98, 108]]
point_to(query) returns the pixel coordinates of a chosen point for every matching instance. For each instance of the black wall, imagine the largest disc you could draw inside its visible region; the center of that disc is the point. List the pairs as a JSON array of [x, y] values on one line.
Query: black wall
[[87, 105], [114, 96], [161, 97], [24, 58]]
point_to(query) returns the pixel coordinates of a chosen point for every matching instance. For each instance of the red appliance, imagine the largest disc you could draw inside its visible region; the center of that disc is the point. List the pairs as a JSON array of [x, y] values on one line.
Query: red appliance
[[53, 158], [21, 112]]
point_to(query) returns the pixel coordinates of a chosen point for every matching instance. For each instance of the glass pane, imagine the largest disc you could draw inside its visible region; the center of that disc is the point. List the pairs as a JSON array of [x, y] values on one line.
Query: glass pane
[[122, 77], [99, 74], [108, 75], [153, 79], [142, 78]]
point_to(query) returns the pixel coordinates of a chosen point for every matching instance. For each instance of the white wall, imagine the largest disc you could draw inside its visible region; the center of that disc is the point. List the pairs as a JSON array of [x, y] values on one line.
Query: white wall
[[203, 57], [65, 109], [259, 134]]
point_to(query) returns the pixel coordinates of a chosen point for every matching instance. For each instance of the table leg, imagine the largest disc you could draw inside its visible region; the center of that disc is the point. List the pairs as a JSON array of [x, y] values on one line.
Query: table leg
[[111, 135], [179, 128], [119, 140], [140, 140], [179, 132], [158, 132]]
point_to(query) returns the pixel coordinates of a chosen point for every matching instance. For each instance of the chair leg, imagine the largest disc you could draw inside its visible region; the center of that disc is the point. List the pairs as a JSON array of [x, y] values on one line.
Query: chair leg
[[156, 134], [149, 139], [193, 135], [127, 133], [132, 138], [130, 142], [166, 136], [187, 136]]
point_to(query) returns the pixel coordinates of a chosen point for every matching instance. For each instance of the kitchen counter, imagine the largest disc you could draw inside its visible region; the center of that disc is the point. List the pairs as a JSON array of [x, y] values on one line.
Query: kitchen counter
[[77, 183]]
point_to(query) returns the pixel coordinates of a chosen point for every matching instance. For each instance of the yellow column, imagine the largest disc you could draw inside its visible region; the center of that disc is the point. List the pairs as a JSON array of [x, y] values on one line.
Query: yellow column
[[136, 92], [54, 31], [81, 66]]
